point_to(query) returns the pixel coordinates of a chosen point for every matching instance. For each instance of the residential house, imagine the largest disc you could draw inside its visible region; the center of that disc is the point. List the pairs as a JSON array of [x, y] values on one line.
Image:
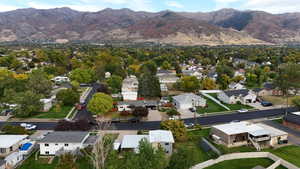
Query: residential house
[[248, 64], [129, 105], [157, 138], [10, 143], [195, 73], [242, 96], [64, 141], [240, 72], [236, 86], [188, 100], [130, 88], [242, 133], [132, 142], [167, 76], [269, 89], [292, 120], [60, 79], [47, 104]]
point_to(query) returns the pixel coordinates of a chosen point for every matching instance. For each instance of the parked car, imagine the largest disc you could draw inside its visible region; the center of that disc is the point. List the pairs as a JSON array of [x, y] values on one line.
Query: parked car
[[243, 111], [189, 125], [80, 106], [28, 126], [266, 104], [193, 109], [134, 120]]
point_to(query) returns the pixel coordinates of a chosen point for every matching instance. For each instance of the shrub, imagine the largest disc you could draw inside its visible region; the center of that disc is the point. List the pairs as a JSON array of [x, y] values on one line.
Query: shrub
[[140, 112], [10, 129], [80, 125]]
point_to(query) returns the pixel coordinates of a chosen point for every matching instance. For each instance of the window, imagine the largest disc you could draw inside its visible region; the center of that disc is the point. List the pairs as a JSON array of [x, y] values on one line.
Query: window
[[46, 145], [66, 145], [2, 150], [11, 148], [166, 144], [56, 144], [47, 152]]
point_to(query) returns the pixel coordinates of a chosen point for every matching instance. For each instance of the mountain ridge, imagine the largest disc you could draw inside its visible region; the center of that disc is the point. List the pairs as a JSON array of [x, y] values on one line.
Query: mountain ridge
[[222, 27]]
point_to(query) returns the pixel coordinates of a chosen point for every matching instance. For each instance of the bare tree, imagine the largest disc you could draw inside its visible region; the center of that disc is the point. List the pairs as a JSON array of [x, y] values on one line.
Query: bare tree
[[103, 146]]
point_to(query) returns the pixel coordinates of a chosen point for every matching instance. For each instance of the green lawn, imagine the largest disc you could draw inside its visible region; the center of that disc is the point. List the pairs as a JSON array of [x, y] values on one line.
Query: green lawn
[[244, 164], [212, 107], [194, 138], [31, 163], [51, 114], [288, 153]]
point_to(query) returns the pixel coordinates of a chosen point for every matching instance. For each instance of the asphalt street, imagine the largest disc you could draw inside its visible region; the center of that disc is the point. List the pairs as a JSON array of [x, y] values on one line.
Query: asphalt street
[[209, 120]]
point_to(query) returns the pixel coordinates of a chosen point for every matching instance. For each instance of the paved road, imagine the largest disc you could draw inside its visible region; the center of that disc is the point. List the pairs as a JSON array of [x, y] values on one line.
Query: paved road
[[209, 120]]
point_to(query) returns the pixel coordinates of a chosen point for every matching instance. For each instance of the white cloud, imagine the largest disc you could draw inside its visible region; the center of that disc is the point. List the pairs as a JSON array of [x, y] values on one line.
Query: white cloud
[[4, 8], [273, 6], [174, 4]]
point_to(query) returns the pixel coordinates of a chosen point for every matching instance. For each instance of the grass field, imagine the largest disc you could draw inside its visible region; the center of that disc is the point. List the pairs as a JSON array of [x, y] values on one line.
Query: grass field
[[213, 107], [244, 164], [51, 114], [288, 153], [278, 100]]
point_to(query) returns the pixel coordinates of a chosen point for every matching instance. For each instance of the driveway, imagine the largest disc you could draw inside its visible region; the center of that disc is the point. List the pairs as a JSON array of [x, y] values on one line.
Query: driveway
[[186, 114], [154, 115]]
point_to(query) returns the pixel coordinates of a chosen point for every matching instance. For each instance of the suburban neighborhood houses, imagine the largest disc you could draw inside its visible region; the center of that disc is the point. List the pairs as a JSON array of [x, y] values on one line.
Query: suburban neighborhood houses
[[137, 107]]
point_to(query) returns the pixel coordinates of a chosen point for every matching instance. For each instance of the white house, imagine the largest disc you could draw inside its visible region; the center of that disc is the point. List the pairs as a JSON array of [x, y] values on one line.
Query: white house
[[188, 100], [66, 141], [236, 86], [243, 133], [243, 96], [132, 142], [157, 138], [60, 79], [167, 76], [162, 138], [130, 88], [10, 143], [47, 104]]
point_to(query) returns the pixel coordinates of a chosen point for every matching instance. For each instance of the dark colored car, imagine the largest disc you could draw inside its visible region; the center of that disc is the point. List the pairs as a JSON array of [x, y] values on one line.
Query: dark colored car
[[193, 109], [266, 104]]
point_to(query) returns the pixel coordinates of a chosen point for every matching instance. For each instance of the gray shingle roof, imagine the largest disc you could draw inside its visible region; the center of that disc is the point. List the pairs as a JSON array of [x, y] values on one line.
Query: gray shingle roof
[[65, 137], [139, 103], [187, 97], [242, 92]]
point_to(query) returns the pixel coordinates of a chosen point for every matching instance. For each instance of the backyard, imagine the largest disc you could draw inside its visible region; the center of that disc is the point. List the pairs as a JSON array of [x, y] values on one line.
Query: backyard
[[54, 114], [244, 164], [213, 107]]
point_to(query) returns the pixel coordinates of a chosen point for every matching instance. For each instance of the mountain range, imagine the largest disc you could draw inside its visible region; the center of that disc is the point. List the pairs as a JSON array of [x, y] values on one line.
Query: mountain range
[[222, 27]]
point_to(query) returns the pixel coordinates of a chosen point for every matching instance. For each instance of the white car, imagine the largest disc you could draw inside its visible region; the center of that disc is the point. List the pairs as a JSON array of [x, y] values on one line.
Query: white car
[[28, 126], [243, 111]]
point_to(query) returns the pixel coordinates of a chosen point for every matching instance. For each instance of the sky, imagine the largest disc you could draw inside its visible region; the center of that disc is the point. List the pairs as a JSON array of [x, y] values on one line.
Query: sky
[[272, 6]]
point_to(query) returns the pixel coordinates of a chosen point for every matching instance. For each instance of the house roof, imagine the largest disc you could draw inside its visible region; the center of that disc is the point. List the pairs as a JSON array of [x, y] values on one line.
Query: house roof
[[238, 128], [273, 131], [132, 141], [163, 71], [65, 137], [187, 97], [161, 136], [260, 132], [242, 92], [7, 141], [257, 90]]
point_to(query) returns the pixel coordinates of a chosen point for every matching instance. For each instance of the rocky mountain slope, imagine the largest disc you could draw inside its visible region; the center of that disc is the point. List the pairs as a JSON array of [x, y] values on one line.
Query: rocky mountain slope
[[223, 27]]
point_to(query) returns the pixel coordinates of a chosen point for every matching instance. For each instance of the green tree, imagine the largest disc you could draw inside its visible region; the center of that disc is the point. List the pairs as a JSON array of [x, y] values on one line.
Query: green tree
[[149, 86], [188, 84], [173, 112], [288, 79], [166, 65], [223, 81], [66, 161], [10, 129], [176, 127], [184, 158], [100, 103], [115, 83], [68, 97], [39, 83], [208, 84], [149, 157], [83, 75], [296, 102], [28, 104]]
